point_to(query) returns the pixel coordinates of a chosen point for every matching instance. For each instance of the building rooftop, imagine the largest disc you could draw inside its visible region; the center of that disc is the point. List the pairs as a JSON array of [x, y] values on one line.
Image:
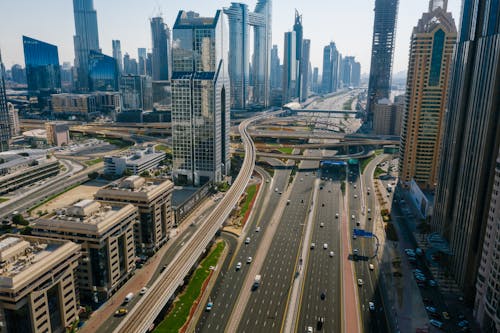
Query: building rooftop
[[138, 156], [136, 184], [19, 253], [86, 211]]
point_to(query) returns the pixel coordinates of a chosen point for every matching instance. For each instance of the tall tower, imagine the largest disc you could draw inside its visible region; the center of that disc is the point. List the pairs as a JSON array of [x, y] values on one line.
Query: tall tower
[[431, 52], [470, 143], [275, 68], [384, 39], [86, 39], [142, 59], [331, 67], [160, 34], [117, 54], [200, 99], [4, 113], [262, 53], [289, 67], [304, 69]]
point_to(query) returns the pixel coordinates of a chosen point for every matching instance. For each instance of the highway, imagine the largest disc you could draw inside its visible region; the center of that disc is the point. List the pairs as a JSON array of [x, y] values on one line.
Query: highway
[[322, 274], [359, 203], [150, 305], [227, 288], [266, 306]]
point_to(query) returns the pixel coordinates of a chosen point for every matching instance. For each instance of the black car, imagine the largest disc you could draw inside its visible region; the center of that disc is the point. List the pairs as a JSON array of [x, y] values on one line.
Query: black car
[[319, 324], [323, 295]]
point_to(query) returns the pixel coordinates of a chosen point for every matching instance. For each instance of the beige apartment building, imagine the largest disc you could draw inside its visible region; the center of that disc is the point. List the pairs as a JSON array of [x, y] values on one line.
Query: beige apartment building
[[37, 284], [105, 233], [431, 55], [387, 117], [153, 198]]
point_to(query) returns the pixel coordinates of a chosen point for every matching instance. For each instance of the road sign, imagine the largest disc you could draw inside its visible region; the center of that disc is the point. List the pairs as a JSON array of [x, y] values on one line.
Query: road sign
[[362, 233]]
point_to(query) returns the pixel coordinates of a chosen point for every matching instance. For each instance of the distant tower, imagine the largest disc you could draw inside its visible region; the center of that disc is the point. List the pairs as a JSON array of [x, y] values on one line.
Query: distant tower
[[200, 99], [331, 67], [160, 34], [304, 70], [275, 68], [117, 54], [142, 59], [289, 67], [431, 54], [262, 53], [298, 29], [4, 113], [86, 39], [384, 39]]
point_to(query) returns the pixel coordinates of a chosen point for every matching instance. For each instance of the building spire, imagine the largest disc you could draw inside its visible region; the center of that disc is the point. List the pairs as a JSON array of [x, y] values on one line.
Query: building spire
[[435, 4]]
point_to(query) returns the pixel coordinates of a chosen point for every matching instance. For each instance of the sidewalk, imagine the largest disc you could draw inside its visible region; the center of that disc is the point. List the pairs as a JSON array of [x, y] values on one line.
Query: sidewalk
[[140, 279]]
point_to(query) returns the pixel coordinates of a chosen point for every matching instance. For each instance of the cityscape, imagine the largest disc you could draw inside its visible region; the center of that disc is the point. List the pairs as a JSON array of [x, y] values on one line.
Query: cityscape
[[242, 167]]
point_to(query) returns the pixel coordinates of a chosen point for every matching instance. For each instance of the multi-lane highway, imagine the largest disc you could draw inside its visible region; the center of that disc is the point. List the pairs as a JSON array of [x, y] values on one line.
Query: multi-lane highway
[[229, 284], [321, 296], [266, 306]]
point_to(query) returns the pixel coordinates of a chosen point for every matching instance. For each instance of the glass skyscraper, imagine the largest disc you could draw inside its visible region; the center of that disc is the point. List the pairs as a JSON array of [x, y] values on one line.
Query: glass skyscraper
[[117, 54], [86, 39], [103, 72], [200, 99], [331, 68], [4, 113], [160, 34], [384, 39], [289, 67], [43, 72]]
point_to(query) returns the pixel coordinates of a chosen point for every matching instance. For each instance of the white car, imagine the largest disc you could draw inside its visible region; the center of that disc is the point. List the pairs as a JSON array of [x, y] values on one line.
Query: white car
[[360, 282], [257, 229], [355, 196], [143, 290], [247, 240], [371, 306], [310, 329], [249, 260], [355, 186], [321, 225], [353, 217], [325, 246], [313, 245], [332, 253], [276, 189], [371, 267], [336, 215], [238, 265]]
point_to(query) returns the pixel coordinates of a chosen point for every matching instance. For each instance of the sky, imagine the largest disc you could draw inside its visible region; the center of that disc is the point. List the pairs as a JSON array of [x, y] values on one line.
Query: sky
[[348, 23]]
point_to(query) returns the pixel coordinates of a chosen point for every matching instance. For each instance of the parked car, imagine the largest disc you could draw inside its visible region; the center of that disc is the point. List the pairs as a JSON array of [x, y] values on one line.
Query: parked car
[[431, 309]]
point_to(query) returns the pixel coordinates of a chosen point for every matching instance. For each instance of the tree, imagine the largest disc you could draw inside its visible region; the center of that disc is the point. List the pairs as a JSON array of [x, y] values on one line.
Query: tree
[[19, 219]]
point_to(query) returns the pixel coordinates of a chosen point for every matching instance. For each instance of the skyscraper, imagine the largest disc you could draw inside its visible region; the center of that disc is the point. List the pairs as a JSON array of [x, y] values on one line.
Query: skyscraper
[[240, 20], [117, 54], [4, 113], [86, 39], [200, 99], [289, 67], [103, 72], [304, 69], [42, 66], [160, 34], [384, 39], [470, 144], [315, 79], [331, 66], [356, 74], [141, 60], [431, 51], [299, 35], [275, 68]]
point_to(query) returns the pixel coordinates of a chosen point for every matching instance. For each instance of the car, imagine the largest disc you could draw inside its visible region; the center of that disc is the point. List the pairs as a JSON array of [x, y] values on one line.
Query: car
[[257, 229], [310, 329], [319, 323], [369, 210], [164, 267], [313, 245], [329, 191], [371, 267], [143, 290], [436, 323], [121, 312], [416, 270], [209, 307], [354, 236], [249, 260], [369, 218], [238, 265], [302, 201], [280, 192], [321, 225], [463, 323], [325, 246], [432, 283], [388, 195], [355, 251], [420, 278], [446, 315], [322, 295], [371, 306], [288, 202], [321, 187], [353, 217], [355, 196], [322, 205], [419, 251], [332, 253], [360, 282], [247, 240], [431, 309], [336, 215], [276, 189], [301, 179], [355, 186], [267, 180], [358, 223]]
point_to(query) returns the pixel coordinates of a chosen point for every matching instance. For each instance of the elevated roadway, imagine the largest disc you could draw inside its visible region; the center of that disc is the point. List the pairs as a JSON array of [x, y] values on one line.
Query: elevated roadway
[[142, 316]]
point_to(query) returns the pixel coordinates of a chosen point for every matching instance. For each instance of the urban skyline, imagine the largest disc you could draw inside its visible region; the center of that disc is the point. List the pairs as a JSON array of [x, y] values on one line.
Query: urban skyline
[[138, 29]]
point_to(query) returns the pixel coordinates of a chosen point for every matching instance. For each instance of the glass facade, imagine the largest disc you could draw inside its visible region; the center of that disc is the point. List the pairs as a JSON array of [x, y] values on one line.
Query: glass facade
[[103, 72], [160, 34], [43, 72], [4, 113]]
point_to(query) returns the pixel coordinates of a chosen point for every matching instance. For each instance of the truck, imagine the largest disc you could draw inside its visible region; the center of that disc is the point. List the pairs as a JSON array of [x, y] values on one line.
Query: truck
[[256, 281], [128, 298]]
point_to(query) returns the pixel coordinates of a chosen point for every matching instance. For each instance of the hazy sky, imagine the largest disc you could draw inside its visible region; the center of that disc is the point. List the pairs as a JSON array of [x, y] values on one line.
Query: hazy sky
[[348, 23]]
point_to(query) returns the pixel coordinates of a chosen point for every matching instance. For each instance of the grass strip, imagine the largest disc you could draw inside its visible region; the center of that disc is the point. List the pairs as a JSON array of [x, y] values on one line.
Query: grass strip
[[52, 197], [251, 190], [286, 150], [94, 161]]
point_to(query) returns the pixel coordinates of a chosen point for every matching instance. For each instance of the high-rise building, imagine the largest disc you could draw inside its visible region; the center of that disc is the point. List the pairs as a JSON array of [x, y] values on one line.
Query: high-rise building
[[141, 60], [304, 69], [86, 39], [200, 99], [137, 92], [289, 67], [356, 74], [275, 68], [18, 74], [4, 113], [331, 67], [149, 64], [384, 39], [42, 66], [66, 76], [103, 72], [488, 290], [315, 79], [431, 53], [470, 145], [240, 20], [105, 233], [160, 34], [129, 65], [117, 54], [153, 199], [387, 117], [15, 126], [38, 288]]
